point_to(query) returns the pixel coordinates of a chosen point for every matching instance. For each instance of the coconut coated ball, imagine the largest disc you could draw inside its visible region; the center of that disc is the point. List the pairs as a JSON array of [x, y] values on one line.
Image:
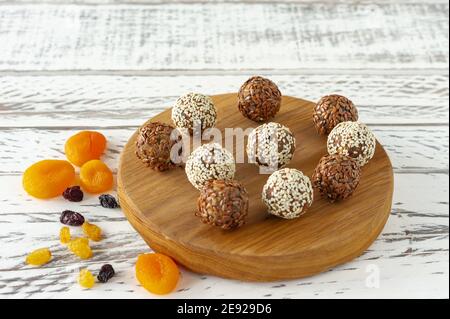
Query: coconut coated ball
[[194, 110]]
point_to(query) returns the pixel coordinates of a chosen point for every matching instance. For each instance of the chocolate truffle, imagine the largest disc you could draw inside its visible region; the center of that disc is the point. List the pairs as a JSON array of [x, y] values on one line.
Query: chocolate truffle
[[271, 145], [209, 161], [259, 99], [352, 139], [336, 177], [287, 193], [332, 110], [154, 145], [194, 111], [223, 203]]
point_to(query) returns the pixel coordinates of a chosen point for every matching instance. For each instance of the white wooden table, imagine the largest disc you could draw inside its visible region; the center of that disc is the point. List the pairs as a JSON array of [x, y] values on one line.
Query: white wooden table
[[109, 65]]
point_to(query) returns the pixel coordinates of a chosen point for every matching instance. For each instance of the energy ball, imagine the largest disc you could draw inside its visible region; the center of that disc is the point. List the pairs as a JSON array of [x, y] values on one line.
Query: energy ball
[[223, 203], [259, 99], [332, 110], [352, 139], [194, 111], [271, 145], [154, 145], [287, 193], [336, 177], [209, 161]]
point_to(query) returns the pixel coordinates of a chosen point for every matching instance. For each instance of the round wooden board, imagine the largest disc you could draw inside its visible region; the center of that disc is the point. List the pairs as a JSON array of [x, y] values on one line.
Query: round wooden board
[[161, 206]]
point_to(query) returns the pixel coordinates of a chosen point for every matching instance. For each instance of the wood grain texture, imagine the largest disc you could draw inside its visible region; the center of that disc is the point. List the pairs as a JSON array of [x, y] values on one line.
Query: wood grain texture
[[279, 36], [45, 101]]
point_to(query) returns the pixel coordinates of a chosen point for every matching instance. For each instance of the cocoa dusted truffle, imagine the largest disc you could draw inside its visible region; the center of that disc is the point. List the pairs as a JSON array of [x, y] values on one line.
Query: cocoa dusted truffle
[[271, 145], [209, 161], [336, 177], [154, 145], [259, 99], [287, 193], [194, 110], [332, 110], [352, 139], [223, 203]]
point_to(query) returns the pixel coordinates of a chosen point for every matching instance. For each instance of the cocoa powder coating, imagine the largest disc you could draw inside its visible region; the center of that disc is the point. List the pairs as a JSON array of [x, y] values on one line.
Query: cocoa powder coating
[[336, 177], [332, 110], [223, 203], [259, 99]]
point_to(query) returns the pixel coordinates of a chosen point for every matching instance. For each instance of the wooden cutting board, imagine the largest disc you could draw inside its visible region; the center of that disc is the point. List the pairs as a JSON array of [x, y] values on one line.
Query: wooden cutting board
[[161, 206]]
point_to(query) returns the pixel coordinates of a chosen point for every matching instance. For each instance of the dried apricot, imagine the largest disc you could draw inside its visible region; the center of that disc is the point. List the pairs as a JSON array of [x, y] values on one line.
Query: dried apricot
[[92, 231], [39, 257], [64, 235], [84, 146], [157, 273], [96, 177], [48, 178], [86, 279], [80, 247]]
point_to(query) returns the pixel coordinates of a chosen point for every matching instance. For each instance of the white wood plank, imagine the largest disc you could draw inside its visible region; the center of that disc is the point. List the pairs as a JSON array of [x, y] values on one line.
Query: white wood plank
[[411, 149], [33, 101], [411, 254], [216, 36], [152, 2]]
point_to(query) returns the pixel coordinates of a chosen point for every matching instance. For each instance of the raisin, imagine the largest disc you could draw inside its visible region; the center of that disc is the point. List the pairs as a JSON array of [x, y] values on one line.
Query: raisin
[[86, 279], [73, 194], [39, 257], [108, 201], [64, 235], [92, 231], [80, 247], [71, 218], [106, 273]]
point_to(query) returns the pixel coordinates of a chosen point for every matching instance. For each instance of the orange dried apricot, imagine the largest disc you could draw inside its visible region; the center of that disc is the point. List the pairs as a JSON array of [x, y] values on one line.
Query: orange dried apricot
[[39, 257], [96, 177], [84, 146], [92, 231], [48, 178], [157, 273]]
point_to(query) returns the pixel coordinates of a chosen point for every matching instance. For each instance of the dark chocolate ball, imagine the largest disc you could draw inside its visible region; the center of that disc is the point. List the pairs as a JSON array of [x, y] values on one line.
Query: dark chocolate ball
[[259, 99], [332, 110]]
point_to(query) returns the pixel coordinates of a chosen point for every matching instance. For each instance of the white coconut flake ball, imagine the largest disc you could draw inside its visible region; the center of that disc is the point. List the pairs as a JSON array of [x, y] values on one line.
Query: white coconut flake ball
[[271, 145], [352, 139], [193, 108], [287, 193], [209, 161]]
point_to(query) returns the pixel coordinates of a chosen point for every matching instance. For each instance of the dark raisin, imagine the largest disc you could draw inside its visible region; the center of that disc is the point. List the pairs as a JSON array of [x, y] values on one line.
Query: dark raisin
[[71, 218], [108, 201], [106, 273], [73, 194]]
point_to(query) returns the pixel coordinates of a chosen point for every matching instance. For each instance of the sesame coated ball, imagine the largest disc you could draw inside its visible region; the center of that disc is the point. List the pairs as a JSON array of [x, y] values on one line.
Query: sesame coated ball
[[287, 193], [259, 99], [332, 110], [207, 162], [223, 203], [352, 139], [271, 145], [194, 110]]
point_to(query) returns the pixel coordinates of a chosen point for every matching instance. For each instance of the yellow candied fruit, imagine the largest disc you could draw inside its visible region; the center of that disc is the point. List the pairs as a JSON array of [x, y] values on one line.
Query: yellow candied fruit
[[92, 231], [86, 279], [64, 235], [39, 257], [80, 247]]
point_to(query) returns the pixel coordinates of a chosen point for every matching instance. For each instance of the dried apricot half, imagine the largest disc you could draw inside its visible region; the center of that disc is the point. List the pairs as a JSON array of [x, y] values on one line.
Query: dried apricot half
[[85, 146], [157, 273], [96, 177], [48, 178]]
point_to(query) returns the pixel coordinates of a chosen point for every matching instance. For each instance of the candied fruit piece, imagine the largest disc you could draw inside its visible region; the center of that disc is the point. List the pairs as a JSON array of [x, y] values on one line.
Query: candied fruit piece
[[48, 178], [64, 235], [92, 231], [86, 279], [71, 218], [106, 273], [157, 273], [73, 194], [39, 257], [108, 201], [80, 247], [96, 177], [84, 146]]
